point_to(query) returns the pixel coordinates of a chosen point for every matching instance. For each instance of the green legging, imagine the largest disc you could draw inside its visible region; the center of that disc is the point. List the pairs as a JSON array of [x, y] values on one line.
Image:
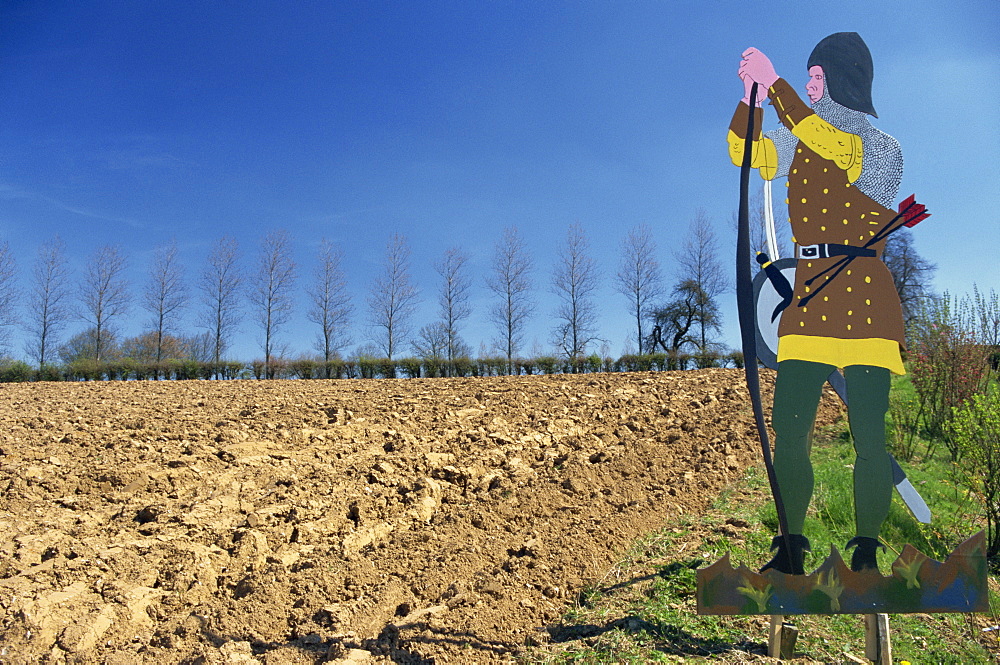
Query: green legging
[[796, 399]]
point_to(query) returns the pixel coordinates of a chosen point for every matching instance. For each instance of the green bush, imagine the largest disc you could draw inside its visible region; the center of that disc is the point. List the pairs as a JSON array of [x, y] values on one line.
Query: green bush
[[975, 432], [49, 372], [594, 363], [461, 367], [947, 368], [386, 368], [547, 364], [15, 371], [706, 359], [85, 369], [410, 366], [306, 368]]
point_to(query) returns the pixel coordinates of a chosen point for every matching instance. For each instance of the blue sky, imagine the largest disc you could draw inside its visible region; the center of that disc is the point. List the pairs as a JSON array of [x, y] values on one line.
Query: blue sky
[[137, 123]]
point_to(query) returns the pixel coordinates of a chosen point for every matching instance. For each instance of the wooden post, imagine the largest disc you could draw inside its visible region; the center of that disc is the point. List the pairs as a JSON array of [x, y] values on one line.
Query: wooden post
[[781, 638], [878, 646]]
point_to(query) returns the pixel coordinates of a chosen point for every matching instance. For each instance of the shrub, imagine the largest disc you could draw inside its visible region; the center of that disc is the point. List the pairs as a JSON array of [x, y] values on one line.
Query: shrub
[[85, 369], [461, 367], [593, 363], [49, 372], [547, 364], [367, 367], [334, 369], [305, 368], [15, 371], [975, 431], [706, 359], [947, 368], [411, 367], [386, 368]]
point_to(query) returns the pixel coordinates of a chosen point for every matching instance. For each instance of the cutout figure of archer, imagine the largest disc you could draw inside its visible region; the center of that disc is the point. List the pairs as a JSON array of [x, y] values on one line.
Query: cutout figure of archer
[[842, 177]]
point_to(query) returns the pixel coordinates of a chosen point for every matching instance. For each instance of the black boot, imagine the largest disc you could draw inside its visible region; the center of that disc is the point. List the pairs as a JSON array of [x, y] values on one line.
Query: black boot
[[863, 558], [788, 561]]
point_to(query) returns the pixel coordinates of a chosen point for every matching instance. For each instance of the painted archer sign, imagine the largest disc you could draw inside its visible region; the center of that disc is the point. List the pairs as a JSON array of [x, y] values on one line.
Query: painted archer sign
[[838, 310]]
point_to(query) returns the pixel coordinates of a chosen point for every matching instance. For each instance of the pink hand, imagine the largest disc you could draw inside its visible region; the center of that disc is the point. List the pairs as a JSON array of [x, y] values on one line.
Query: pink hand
[[758, 67]]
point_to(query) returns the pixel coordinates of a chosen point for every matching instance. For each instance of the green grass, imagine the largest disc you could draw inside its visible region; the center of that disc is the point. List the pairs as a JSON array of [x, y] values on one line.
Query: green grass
[[644, 611]]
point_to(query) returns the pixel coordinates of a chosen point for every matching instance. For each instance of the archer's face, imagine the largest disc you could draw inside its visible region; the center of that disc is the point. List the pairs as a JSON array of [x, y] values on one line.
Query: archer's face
[[814, 88]]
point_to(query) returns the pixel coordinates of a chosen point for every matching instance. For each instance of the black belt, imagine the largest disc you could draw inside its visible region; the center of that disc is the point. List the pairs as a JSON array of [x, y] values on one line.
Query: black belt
[[826, 250]]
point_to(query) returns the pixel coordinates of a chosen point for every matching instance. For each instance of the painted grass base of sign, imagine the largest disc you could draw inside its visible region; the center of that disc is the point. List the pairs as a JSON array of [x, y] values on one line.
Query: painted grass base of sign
[[917, 584]]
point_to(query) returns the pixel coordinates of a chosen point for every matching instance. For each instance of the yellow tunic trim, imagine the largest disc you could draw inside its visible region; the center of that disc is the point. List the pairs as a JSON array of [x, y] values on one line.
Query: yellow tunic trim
[[765, 155], [842, 352], [844, 149]]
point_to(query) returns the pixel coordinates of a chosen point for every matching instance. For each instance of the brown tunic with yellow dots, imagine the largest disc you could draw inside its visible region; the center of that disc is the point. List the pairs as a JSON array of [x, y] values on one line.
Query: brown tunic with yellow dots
[[856, 318]]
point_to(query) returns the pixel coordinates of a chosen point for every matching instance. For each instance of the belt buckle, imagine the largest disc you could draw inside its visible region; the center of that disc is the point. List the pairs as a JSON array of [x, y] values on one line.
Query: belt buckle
[[810, 252]]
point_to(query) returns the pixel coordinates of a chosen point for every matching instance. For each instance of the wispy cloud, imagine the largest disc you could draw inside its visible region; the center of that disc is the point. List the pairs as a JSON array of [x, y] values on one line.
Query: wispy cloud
[[12, 192]]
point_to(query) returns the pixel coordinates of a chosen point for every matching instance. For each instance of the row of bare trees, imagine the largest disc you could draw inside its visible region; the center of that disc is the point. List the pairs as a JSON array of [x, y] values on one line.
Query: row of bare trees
[[687, 315]]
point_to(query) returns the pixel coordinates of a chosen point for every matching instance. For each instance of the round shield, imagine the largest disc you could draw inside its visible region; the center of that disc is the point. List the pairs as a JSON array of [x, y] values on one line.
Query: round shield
[[766, 298]]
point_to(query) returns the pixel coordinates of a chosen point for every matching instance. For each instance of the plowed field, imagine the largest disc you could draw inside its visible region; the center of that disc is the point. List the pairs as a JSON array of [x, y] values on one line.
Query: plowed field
[[413, 520]]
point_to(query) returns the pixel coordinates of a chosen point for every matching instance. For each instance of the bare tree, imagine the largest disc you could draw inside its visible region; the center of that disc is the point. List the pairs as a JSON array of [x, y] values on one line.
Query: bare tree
[[220, 294], [84, 346], [911, 274], [393, 297], [331, 303], [511, 282], [639, 278], [165, 295], [454, 298], [48, 301], [698, 261], [271, 292], [574, 281], [431, 342], [104, 295], [9, 295]]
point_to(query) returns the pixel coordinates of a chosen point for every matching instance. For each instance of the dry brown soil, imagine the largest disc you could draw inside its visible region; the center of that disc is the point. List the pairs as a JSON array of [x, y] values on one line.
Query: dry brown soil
[[410, 521]]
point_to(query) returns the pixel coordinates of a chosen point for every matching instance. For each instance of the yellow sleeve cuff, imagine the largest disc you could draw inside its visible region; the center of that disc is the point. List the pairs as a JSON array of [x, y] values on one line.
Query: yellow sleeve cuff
[[765, 155]]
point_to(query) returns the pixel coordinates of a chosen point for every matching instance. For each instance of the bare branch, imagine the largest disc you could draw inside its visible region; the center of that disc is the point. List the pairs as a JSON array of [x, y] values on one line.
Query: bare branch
[[48, 301], [911, 274], [393, 297], [698, 261], [331, 303], [220, 294], [639, 278], [511, 282], [454, 298], [574, 281], [271, 292], [9, 295], [104, 295], [165, 294]]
